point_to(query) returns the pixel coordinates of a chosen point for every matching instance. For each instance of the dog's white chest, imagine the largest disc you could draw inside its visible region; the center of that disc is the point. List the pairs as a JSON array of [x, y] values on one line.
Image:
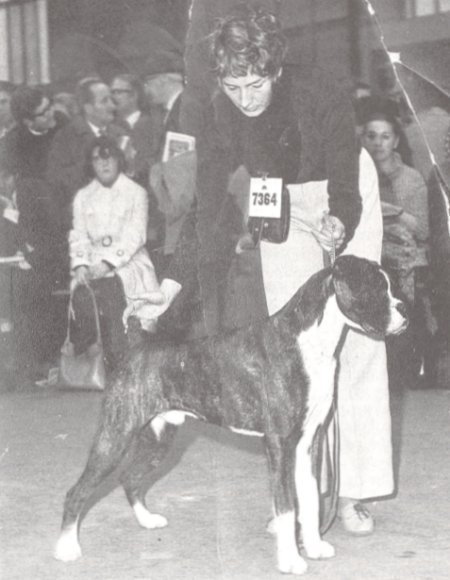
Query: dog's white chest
[[317, 346]]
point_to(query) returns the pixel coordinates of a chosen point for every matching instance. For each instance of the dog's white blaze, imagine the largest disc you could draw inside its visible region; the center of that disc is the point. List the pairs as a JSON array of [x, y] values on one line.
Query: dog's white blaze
[[289, 560], [67, 547], [317, 345], [245, 432], [397, 321], [173, 417], [146, 519]]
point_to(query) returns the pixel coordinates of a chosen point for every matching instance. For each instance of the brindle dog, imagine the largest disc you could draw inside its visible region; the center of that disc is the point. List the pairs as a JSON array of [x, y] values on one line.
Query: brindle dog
[[274, 378]]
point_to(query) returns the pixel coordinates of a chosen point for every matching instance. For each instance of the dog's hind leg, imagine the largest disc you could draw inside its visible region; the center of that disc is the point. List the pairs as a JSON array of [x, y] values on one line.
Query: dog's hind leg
[[107, 451], [281, 454], [152, 446]]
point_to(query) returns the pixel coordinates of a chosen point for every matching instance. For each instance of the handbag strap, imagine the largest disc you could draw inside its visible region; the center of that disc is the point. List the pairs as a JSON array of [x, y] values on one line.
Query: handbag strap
[[96, 315]]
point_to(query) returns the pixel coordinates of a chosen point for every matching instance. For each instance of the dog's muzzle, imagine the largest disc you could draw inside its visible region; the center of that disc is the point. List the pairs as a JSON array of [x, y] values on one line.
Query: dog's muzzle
[[399, 317]]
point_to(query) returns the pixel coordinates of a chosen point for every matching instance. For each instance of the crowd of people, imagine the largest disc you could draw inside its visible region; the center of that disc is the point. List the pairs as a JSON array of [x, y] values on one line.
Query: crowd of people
[[90, 197], [78, 205]]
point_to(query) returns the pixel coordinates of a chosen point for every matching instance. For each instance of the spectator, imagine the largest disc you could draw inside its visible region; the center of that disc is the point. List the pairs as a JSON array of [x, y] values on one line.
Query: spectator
[[439, 196], [9, 214], [65, 106], [6, 118], [26, 147], [402, 190], [68, 153], [8, 247], [34, 315], [172, 181], [163, 83], [24, 159], [107, 251], [404, 199], [365, 107], [128, 96], [428, 132]]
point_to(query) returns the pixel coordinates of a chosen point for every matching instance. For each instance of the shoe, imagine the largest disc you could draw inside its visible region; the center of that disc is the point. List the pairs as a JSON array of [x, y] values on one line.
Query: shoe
[[356, 519]]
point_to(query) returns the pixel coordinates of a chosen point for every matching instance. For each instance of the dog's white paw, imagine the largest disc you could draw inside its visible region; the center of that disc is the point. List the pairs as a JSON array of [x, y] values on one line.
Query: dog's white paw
[[148, 520], [67, 548], [319, 550], [293, 565]]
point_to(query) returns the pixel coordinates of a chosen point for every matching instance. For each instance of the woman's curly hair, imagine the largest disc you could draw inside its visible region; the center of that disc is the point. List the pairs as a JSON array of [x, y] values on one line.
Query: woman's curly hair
[[249, 40]]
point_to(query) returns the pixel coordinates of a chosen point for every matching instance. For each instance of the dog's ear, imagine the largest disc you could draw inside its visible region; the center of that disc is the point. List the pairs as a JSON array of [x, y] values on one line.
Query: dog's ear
[[350, 275], [309, 301], [346, 274]]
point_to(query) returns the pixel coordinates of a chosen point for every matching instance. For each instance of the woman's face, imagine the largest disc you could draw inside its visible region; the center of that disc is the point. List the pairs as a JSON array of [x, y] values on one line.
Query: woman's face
[[106, 169], [251, 94], [380, 140]]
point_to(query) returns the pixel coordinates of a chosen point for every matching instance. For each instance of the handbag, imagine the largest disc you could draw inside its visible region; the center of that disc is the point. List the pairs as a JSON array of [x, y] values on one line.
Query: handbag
[[87, 369], [274, 230]]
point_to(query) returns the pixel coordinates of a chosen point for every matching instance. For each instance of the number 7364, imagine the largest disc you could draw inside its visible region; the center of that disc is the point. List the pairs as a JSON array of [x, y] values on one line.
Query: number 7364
[[261, 198]]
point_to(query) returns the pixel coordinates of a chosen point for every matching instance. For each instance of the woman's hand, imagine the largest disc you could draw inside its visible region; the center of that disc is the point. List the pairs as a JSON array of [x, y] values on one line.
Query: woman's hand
[[245, 242], [332, 233]]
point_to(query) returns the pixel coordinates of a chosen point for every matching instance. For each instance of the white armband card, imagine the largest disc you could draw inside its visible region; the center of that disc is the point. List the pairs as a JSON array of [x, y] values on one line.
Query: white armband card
[[265, 197]]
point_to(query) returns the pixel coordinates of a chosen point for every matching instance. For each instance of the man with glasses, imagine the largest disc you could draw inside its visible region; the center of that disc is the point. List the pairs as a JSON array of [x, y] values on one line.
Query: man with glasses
[[163, 82], [128, 96], [23, 160], [67, 159], [26, 147]]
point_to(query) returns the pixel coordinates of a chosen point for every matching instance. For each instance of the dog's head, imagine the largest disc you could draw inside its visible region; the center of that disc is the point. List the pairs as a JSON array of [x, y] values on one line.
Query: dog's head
[[364, 297]]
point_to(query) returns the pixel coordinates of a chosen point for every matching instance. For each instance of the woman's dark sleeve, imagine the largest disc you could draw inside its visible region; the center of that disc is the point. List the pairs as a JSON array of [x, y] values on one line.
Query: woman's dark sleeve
[[333, 118], [341, 158]]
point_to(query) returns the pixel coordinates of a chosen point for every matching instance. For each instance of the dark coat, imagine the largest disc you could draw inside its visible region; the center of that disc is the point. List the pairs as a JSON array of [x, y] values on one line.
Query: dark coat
[[39, 229], [25, 154], [143, 139], [323, 146]]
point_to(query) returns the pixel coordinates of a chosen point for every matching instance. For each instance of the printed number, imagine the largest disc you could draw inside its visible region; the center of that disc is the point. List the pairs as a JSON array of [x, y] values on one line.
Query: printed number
[[264, 198]]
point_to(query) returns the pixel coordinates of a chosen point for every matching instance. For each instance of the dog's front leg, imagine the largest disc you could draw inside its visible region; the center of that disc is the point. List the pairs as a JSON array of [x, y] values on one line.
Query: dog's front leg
[[308, 501], [281, 455]]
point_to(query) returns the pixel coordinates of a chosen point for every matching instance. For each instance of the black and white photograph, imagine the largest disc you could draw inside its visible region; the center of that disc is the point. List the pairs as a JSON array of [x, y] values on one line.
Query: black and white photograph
[[224, 289]]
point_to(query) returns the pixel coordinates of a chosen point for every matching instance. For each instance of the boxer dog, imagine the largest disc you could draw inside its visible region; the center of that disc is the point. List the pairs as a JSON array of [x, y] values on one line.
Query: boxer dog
[[274, 378]]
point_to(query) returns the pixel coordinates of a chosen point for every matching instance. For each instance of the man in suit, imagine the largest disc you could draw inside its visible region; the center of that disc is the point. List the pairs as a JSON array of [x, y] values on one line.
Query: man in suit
[[25, 148], [23, 164], [171, 181], [128, 95], [67, 159], [163, 82]]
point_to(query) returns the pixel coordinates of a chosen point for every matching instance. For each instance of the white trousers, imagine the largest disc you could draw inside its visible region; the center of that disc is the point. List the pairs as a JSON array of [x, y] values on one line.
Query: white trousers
[[363, 394]]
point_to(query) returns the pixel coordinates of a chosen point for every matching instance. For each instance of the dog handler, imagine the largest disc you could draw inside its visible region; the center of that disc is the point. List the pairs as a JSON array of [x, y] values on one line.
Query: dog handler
[[267, 121], [247, 50]]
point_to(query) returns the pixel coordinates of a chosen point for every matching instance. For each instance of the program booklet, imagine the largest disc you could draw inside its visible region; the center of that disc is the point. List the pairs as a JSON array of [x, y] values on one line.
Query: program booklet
[[176, 144]]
